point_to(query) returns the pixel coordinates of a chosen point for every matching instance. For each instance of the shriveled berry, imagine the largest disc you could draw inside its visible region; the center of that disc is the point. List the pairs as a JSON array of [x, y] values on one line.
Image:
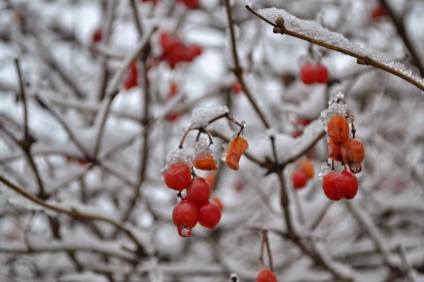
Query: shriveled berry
[[347, 184], [353, 153], [185, 216], [198, 190], [205, 161], [266, 275], [235, 151], [335, 151], [209, 214], [329, 186], [299, 179], [338, 129], [177, 176]]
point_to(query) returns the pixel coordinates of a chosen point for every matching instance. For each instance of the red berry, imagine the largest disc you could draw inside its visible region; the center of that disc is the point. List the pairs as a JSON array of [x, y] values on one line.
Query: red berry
[[209, 214], [192, 4], [338, 129], [185, 216], [308, 74], [177, 176], [266, 275], [347, 184], [198, 190], [236, 87], [299, 179], [132, 77], [168, 42], [322, 74], [329, 186], [378, 12], [97, 35]]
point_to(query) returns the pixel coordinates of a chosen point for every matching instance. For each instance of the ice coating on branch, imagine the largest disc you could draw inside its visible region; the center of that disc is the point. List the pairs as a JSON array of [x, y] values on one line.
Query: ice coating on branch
[[183, 155], [316, 31], [202, 116], [325, 168], [336, 108], [248, 2]]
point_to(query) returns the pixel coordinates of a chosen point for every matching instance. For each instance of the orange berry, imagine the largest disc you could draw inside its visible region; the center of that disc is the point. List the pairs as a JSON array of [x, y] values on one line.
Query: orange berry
[[308, 168], [205, 161], [335, 151], [353, 154], [210, 178], [237, 147], [338, 129], [173, 89], [218, 201]]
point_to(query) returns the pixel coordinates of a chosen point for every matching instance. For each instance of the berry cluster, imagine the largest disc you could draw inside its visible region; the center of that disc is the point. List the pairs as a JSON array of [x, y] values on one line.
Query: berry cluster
[[304, 172], [195, 207], [310, 74], [175, 51], [348, 151]]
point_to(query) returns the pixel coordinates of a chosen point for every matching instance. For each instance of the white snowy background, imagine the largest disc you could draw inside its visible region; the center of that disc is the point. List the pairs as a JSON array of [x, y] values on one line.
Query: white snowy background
[[377, 236]]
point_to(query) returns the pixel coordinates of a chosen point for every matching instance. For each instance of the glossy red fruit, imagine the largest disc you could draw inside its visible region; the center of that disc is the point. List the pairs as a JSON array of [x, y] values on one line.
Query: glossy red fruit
[[347, 184], [198, 190], [266, 275], [185, 216], [322, 74], [177, 176], [300, 178], [209, 214], [329, 186], [308, 74], [338, 129]]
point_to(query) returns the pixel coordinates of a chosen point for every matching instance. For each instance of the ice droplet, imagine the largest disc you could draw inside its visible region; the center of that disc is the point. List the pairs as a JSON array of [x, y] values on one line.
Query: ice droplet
[[325, 168], [184, 231], [248, 3], [355, 167]]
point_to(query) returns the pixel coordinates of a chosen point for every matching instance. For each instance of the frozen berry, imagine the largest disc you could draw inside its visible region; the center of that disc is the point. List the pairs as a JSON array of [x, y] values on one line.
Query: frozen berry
[[329, 186], [322, 74], [198, 190], [209, 214], [185, 216], [347, 184], [308, 168], [177, 176], [338, 129]]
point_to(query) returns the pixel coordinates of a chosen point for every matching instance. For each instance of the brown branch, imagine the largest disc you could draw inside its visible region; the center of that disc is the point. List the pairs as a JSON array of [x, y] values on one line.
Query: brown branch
[[362, 60], [400, 28], [76, 214], [238, 70]]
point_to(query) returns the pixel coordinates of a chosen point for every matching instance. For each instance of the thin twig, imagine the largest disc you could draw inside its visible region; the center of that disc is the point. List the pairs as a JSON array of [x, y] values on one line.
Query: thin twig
[[362, 60], [22, 96], [75, 213], [238, 71]]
